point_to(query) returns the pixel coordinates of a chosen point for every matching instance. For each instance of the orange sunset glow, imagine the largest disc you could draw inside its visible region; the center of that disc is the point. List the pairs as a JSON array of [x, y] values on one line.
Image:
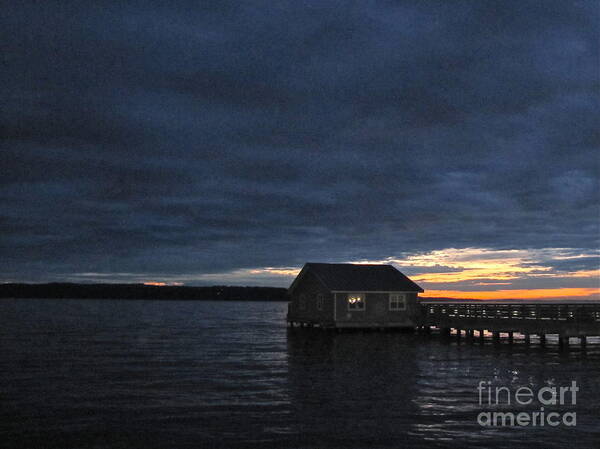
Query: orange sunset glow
[[540, 293], [162, 284], [482, 273]]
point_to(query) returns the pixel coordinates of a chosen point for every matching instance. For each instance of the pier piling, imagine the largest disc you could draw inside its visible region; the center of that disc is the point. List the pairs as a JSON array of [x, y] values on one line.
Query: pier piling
[[572, 319]]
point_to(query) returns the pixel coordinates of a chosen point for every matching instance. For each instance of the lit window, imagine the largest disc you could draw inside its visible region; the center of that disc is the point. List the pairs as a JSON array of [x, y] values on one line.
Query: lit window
[[320, 301], [397, 301], [356, 301], [302, 302]]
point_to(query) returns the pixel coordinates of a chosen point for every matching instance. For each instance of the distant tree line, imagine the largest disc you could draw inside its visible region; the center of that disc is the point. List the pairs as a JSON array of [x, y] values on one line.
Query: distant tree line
[[141, 291]]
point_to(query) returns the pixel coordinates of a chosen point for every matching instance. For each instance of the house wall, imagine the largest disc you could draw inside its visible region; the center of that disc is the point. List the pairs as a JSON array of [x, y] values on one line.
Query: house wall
[[376, 313], [310, 287]]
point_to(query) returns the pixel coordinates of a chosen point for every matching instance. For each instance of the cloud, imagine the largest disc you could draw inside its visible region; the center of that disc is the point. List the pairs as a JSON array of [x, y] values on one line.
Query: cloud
[[208, 139], [571, 264], [485, 270]]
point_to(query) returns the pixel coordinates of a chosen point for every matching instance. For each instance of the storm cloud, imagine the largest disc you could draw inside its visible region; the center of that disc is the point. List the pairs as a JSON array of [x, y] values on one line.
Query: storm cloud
[[156, 139]]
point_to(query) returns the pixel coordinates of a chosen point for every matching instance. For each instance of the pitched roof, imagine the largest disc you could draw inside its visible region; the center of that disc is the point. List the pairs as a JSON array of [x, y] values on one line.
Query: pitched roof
[[355, 277]]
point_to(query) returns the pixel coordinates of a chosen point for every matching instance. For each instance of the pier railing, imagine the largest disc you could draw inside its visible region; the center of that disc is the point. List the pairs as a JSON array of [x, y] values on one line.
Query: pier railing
[[570, 319]]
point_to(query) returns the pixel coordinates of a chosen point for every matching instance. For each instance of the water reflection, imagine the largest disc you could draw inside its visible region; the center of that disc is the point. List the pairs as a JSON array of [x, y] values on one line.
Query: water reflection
[[397, 390], [352, 389], [200, 374]]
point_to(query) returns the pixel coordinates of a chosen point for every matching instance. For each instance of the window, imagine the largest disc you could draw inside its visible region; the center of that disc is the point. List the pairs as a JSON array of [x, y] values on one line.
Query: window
[[397, 301], [302, 302], [356, 301], [320, 301]]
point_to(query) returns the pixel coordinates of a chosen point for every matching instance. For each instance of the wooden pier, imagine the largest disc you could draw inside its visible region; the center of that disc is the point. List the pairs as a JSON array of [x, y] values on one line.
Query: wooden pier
[[473, 319]]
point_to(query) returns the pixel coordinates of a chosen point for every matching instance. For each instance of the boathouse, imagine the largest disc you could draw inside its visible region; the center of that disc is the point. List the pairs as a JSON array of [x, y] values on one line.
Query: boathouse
[[353, 296]]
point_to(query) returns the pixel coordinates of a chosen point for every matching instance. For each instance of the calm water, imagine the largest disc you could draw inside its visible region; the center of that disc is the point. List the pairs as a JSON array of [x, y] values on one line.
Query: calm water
[[94, 374]]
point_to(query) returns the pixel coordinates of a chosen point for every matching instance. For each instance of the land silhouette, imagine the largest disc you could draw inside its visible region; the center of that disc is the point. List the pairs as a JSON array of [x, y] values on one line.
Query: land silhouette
[[62, 290]]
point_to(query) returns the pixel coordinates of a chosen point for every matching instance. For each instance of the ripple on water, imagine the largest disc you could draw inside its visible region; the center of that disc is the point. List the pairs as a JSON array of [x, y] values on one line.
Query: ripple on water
[[201, 374]]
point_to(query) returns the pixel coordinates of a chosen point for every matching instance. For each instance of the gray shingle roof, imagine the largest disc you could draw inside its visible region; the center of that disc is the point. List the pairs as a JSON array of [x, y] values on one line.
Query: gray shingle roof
[[355, 277]]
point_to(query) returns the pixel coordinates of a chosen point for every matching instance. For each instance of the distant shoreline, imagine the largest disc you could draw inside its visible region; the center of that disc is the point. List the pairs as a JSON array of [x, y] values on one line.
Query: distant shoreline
[[140, 292]]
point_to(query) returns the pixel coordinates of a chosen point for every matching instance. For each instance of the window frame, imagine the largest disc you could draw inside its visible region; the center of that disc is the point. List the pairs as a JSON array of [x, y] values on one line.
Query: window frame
[[393, 299], [320, 301], [362, 301]]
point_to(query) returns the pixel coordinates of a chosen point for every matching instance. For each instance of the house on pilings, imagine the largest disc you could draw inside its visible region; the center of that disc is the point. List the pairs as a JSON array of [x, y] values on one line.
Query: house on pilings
[[353, 296]]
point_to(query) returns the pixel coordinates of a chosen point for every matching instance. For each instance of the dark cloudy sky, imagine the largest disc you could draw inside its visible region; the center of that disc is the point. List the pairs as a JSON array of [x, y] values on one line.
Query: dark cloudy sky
[[230, 142]]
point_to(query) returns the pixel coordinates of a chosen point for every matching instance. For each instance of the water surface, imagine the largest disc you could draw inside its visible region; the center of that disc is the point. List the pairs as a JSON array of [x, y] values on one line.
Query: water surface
[[111, 373]]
